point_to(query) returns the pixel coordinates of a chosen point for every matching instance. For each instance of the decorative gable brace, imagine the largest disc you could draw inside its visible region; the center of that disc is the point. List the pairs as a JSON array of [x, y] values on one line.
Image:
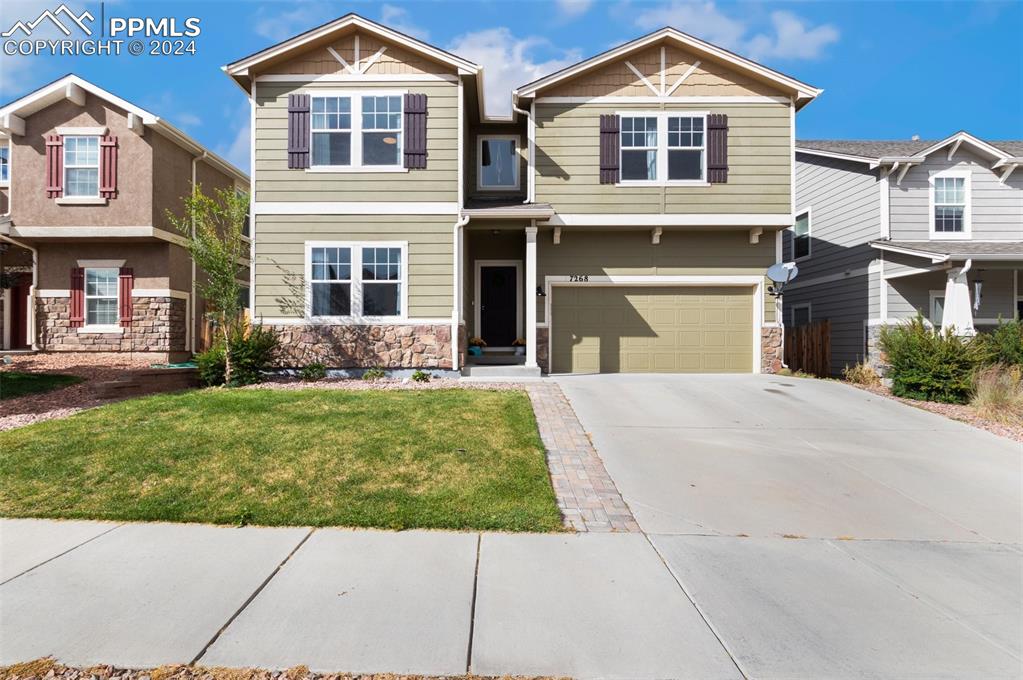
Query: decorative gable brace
[[610, 144], [298, 131], [717, 148], [415, 131], [108, 167], [54, 166]]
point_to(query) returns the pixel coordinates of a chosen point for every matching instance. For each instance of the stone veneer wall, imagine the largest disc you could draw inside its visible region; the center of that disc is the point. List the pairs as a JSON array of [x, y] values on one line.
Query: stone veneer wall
[[365, 346], [875, 357], [158, 325], [771, 348], [543, 349]]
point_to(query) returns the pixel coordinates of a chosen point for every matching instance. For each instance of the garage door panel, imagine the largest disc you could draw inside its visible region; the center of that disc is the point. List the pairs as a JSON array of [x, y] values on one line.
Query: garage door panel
[[651, 329]]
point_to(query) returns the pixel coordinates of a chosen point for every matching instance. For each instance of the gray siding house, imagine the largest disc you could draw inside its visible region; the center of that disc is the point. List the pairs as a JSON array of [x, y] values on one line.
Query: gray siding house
[[880, 227]]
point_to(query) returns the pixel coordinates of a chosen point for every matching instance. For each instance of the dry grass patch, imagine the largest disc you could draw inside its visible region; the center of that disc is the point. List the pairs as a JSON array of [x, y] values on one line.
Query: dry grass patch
[[998, 393], [443, 459]]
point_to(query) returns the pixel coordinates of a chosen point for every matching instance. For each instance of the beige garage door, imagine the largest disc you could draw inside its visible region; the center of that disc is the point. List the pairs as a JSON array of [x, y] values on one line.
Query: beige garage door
[[641, 329]]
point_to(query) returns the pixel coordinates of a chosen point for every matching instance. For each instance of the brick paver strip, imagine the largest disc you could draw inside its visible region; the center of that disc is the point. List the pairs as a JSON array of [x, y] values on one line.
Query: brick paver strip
[[587, 496]]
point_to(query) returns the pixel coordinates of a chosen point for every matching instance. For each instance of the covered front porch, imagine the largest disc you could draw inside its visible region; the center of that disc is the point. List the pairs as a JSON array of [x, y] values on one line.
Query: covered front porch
[[966, 287]]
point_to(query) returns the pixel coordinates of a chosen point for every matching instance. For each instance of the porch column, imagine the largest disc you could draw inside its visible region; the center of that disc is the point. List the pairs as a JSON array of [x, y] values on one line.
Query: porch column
[[530, 300]]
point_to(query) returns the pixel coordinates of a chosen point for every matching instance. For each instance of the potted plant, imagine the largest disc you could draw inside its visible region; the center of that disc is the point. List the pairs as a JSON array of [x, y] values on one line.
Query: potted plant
[[476, 345], [520, 346]]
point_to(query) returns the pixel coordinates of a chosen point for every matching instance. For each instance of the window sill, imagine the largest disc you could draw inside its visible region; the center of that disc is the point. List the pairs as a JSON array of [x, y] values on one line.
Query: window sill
[[118, 330], [354, 320], [656, 183], [356, 168], [950, 236], [82, 200]]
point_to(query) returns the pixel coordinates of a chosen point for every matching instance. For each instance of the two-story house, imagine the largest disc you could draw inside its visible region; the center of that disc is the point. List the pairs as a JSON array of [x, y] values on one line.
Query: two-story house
[[887, 230], [622, 219], [89, 259]]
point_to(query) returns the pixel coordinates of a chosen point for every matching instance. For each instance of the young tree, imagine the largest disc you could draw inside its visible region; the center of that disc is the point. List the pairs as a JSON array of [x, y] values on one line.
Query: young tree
[[212, 227]]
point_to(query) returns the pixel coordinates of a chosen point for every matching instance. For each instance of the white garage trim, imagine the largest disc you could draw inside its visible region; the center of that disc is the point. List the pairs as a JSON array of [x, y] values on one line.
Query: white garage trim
[[550, 282]]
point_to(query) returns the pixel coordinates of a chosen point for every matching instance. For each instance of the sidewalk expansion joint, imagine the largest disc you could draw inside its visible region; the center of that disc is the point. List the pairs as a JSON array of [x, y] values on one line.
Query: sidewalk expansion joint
[[248, 601], [472, 605], [74, 547]]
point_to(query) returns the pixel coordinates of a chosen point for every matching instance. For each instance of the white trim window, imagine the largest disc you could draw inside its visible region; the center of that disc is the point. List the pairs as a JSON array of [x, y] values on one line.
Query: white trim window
[[81, 166], [5, 164], [356, 281], [101, 297], [497, 164], [663, 148], [801, 238], [937, 307], [357, 131], [950, 204]]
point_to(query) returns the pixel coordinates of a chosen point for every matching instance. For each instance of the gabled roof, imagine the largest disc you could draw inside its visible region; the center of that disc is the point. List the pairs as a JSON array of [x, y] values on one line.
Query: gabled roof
[[239, 69], [800, 89], [73, 87], [870, 151]]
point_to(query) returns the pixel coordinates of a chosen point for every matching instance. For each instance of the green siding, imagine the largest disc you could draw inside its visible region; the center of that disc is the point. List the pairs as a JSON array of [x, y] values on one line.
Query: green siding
[[630, 253], [275, 182], [759, 158], [280, 256]]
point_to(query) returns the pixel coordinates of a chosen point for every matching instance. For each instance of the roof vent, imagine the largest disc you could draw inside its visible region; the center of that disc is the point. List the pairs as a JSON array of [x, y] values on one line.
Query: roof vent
[[915, 138]]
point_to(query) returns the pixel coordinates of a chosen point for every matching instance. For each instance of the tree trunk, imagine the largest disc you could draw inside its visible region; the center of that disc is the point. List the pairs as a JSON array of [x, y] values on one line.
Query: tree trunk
[[227, 350]]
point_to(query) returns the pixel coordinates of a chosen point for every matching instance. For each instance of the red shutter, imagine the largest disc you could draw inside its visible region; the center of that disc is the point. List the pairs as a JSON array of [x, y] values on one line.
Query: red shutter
[[125, 282], [610, 145], [108, 167], [717, 148], [54, 166], [77, 310]]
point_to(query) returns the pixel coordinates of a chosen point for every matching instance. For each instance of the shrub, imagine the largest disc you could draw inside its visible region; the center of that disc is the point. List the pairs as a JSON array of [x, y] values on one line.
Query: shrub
[[1003, 345], [420, 375], [252, 351], [998, 393], [861, 374], [313, 372], [927, 364], [375, 373]]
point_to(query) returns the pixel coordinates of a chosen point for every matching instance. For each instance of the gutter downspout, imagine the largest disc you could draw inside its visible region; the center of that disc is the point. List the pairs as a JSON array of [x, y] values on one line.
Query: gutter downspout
[[32, 289], [456, 238], [191, 296]]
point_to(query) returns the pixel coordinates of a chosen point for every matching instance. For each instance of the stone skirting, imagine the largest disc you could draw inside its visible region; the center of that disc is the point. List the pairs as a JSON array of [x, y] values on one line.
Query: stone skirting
[[365, 346], [543, 346], [158, 325], [771, 348], [875, 357]]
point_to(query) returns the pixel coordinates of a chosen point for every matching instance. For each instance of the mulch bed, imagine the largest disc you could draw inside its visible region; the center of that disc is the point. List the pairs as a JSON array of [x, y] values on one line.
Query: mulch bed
[[91, 366], [47, 669], [960, 412]]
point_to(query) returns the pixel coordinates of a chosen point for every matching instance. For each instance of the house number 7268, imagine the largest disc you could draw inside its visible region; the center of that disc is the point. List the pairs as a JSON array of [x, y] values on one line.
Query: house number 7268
[[579, 277]]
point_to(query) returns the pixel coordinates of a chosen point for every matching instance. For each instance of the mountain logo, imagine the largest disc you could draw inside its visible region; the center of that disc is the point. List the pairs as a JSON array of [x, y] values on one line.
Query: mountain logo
[[53, 17]]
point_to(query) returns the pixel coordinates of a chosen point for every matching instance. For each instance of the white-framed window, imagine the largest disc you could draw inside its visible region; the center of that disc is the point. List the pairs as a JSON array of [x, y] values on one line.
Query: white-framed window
[[357, 280], [356, 131], [937, 311], [950, 204], [5, 164], [663, 148], [81, 166], [801, 235], [800, 314], [101, 286], [497, 163]]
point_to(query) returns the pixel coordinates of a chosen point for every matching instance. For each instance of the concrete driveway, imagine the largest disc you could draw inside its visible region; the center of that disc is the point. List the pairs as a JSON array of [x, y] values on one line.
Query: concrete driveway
[[821, 531]]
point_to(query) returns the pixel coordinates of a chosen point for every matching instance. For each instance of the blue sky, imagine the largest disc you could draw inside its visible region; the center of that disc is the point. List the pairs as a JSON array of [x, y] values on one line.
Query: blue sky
[[889, 70]]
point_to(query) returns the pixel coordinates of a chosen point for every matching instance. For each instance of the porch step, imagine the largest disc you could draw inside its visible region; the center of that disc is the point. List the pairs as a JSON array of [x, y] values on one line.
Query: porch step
[[497, 358], [486, 372]]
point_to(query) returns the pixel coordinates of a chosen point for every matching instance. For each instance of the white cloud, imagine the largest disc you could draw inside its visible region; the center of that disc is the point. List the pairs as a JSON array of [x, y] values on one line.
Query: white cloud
[[508, 62], [237, 150], [301, 17], [571, 9], [398, 19], [790, 37]]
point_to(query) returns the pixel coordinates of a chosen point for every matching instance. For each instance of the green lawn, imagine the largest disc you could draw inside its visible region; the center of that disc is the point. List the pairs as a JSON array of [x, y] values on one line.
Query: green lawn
[[17, 384], [452, 459]]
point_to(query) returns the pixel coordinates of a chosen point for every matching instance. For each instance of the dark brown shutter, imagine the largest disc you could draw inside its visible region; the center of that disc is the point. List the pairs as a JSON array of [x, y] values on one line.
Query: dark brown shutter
[[76, 312], [415, 131], [717, 148], [298, 131], [54, 166], [610, 143], [108, 167], [125, 284]]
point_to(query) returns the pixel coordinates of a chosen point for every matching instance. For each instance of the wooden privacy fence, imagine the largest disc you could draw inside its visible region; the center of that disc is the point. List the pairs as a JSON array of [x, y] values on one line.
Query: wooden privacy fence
[[206, 336], [808, 348]]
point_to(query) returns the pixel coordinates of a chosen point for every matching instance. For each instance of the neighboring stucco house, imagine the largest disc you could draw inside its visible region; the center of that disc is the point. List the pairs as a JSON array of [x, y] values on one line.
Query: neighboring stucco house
[[622, 219], [91, 261], [881, 226]]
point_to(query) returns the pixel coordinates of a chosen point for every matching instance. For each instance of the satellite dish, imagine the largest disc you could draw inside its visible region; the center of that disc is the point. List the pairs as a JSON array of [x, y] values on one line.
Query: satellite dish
[[782, 272]]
